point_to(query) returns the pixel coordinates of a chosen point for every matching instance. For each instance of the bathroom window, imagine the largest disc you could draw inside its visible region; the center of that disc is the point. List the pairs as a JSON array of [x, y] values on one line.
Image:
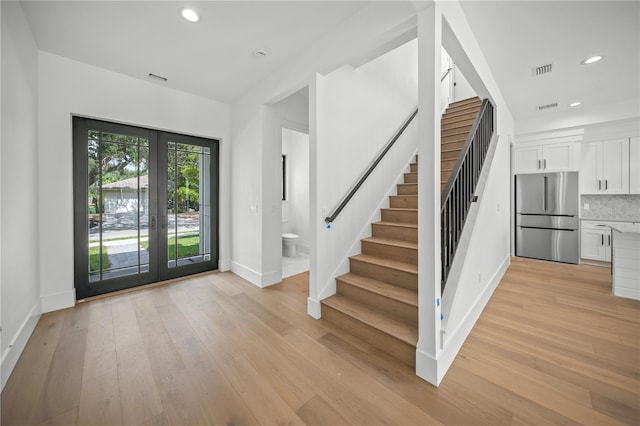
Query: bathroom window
[[283, 186]]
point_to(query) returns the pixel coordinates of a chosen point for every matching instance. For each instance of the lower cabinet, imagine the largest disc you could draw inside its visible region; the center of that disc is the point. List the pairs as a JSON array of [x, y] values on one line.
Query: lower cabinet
[[595, 242]]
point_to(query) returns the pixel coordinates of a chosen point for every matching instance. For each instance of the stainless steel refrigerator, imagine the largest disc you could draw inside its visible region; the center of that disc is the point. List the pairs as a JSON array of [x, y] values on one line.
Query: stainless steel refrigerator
[[547, 222]]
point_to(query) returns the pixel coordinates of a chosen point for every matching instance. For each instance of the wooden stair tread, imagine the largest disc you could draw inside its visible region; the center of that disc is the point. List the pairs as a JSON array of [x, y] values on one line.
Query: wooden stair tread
[[387, 263], [473, 100], [398, 224], [400, 209], [392, 242], [401, 294], [398, 329]]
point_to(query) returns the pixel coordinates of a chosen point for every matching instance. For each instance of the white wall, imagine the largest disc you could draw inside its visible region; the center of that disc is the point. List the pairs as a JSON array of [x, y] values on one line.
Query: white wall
[[256, 138], [295, 145], [20, 291], [462, 89], [68, 87], [357, 113]]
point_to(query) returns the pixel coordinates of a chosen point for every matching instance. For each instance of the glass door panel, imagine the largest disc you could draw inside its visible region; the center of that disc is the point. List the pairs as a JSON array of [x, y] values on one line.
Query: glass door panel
[[118, 216], [129, 230], [189, 221]]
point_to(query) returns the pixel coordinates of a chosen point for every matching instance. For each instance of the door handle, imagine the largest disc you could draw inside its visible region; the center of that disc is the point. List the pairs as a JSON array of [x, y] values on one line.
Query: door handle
[[153, 223], [544, 162], [609, 240], [539, 164], [164, 222], [544, 197], [606, 184], [601, 239], [599, 184]]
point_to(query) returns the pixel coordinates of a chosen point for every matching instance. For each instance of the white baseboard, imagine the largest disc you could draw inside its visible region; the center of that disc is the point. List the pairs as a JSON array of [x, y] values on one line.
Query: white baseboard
[[427, 367], [224, 265], [14, 349], [453, 341], [628, 293], [254, 277], [57, 301], [314, 309]]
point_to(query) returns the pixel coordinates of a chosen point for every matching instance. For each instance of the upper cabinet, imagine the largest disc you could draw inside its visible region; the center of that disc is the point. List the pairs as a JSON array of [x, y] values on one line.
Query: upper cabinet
[[545, 157], [634, 165], [605, 167]]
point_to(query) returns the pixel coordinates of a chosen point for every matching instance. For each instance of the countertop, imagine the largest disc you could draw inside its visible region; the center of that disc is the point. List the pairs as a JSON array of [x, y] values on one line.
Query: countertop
[[626, 227], [588, 219]]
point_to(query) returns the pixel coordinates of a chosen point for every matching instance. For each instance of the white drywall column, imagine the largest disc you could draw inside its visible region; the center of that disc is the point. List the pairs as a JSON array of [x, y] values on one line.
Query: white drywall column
[[429, 45]]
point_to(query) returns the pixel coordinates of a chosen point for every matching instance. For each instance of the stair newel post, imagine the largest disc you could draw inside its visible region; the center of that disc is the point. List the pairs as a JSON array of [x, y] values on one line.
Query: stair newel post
[[429, 189]]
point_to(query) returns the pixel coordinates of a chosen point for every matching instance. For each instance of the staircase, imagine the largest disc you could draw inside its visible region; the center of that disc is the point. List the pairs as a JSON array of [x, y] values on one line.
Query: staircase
[[377, 300], [456, 124]]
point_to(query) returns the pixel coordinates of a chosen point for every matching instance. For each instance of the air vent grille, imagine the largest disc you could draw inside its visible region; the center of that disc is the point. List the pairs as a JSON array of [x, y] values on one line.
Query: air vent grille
[[542, 69], [547, 106]]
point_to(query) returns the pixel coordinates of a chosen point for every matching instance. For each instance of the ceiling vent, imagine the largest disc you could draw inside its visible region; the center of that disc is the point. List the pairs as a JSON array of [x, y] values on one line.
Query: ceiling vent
[[547, 106], [542, 69]]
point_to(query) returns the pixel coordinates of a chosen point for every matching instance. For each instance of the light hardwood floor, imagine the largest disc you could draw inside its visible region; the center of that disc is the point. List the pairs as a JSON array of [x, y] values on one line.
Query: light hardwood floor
[[553, 346]]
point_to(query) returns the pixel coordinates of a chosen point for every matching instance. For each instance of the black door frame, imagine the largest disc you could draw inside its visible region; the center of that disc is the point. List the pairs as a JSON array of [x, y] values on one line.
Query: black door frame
[[158, 256]]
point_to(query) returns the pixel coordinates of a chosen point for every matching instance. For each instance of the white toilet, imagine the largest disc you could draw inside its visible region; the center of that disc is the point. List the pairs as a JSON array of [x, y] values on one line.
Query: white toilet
[[289, 244]]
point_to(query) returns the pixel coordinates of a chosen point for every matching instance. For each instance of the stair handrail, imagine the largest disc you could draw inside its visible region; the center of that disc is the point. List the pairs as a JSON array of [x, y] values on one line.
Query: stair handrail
[[345, 200], [446, 73], [459, 192]]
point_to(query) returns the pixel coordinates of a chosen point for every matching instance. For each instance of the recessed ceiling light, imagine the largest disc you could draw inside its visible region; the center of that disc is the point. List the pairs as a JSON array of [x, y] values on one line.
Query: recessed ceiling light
[[592, 60], [190, 15], [575, 104]]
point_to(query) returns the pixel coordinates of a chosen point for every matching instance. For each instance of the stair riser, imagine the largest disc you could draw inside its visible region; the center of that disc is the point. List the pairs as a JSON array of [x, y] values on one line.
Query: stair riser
[[403, 201], [410, 178], [464, 130], [408, 189], [457, 108], [452, 145], [382, 273], [461, 113], [444, 176], [473, 101], [448, 125], [388, 344], [453, 139], [413, 167], [463, 118], [385, 251], [399, 216], [391, 307], [447, 164], [450, 155], [395, 232]]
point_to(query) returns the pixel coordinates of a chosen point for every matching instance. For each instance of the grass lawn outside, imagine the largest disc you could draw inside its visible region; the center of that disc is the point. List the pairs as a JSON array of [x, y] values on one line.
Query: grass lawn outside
[[94, 259], [188, 245]]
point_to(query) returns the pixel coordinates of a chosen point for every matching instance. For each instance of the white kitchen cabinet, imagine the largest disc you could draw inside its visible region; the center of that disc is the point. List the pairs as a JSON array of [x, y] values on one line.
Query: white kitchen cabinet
[[605, 167], [595, 244], [541, 158], [634, 165]]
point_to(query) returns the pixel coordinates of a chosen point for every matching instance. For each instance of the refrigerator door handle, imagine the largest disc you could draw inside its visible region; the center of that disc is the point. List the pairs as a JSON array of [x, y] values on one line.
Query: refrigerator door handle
[[544, 195]]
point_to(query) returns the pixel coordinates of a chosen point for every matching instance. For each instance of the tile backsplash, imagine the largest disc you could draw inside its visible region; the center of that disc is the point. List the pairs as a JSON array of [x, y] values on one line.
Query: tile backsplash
[[615, 207]]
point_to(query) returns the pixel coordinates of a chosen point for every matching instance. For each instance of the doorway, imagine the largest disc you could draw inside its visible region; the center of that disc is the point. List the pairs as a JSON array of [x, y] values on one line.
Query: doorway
[[145, 206]]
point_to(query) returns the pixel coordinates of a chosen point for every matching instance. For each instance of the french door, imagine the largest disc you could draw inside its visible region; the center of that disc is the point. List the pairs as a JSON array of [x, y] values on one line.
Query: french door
[[145, 206]]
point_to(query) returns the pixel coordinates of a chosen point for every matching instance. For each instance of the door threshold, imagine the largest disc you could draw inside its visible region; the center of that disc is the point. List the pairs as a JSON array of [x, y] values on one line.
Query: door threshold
[[146, 286]]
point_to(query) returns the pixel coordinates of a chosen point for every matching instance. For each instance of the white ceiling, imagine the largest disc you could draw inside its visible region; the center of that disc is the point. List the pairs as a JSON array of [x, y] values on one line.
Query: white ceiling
[[211, 58], [214, 57], [517, 36]]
